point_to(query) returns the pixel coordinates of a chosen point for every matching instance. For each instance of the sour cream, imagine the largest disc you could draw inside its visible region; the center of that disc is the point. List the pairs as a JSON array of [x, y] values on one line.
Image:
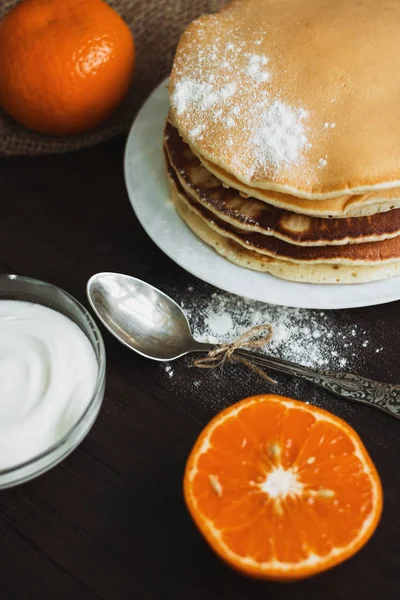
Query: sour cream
[[48, 373]]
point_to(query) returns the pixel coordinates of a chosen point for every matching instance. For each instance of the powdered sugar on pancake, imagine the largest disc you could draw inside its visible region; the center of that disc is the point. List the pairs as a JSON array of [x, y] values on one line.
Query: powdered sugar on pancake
[[317, 57], [227, 79], [281, 137], [189, 93], [197, 131], [193, 95], [256, 68]]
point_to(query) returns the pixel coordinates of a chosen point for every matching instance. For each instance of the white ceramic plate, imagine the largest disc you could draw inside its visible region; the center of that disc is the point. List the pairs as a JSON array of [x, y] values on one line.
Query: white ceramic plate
[[148, 192]]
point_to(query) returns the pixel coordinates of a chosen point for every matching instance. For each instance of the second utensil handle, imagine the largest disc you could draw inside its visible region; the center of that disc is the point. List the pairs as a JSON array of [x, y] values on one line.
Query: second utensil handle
[[384, 396]]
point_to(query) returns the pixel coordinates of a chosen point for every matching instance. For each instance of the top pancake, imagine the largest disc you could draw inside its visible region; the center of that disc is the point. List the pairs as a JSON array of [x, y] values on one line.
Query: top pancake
[[296, 96]]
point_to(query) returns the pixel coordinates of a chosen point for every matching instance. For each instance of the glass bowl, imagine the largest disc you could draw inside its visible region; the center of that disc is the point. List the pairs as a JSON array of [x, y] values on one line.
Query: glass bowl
[[14, 287]]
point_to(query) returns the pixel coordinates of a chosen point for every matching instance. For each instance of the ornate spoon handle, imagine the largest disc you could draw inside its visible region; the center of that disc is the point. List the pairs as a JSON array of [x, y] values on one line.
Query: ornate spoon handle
[[384, 396]]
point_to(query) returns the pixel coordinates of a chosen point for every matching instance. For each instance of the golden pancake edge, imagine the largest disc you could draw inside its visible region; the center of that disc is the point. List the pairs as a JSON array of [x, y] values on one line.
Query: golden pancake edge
[[251, 215]]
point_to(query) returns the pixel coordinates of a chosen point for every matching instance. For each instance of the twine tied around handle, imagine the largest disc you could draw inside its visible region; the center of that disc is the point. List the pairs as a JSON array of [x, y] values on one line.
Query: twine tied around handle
[[256, 337]]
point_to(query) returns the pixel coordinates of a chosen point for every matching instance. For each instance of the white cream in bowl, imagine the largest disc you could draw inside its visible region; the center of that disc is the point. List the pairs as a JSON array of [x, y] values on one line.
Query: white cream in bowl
[[48, 373]]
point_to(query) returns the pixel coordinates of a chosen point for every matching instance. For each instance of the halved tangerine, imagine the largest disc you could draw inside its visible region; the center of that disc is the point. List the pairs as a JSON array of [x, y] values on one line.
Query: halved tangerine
[[281, 489]]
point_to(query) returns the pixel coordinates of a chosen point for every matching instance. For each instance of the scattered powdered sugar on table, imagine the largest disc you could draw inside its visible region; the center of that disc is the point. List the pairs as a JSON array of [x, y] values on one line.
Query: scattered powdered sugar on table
[[168, 369], [220, 325], [311, 338]]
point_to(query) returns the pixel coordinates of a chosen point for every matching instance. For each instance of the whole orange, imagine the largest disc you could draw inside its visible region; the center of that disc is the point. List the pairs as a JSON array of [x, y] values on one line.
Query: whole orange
[[65, 64]]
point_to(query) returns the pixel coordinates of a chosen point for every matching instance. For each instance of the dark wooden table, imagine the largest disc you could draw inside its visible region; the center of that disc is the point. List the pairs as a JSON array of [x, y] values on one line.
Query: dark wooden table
[[110, 523]]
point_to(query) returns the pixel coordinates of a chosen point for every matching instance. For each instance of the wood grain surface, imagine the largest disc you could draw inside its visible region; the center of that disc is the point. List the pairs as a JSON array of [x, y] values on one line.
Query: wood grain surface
[[109, 523]]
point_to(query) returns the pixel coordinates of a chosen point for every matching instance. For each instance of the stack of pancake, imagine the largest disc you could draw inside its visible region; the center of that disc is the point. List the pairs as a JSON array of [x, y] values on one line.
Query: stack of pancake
[[283, 139]]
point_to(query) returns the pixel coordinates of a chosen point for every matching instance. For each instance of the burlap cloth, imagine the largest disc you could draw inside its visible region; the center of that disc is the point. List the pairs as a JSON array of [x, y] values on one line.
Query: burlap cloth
[[157, 26]]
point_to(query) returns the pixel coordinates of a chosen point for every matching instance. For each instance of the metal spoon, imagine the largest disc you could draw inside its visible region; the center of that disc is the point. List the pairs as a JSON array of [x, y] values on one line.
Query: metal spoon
[[151, 323]]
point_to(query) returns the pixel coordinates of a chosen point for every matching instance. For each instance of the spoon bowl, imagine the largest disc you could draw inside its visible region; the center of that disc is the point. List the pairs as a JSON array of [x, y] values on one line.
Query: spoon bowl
[[141, 316]]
